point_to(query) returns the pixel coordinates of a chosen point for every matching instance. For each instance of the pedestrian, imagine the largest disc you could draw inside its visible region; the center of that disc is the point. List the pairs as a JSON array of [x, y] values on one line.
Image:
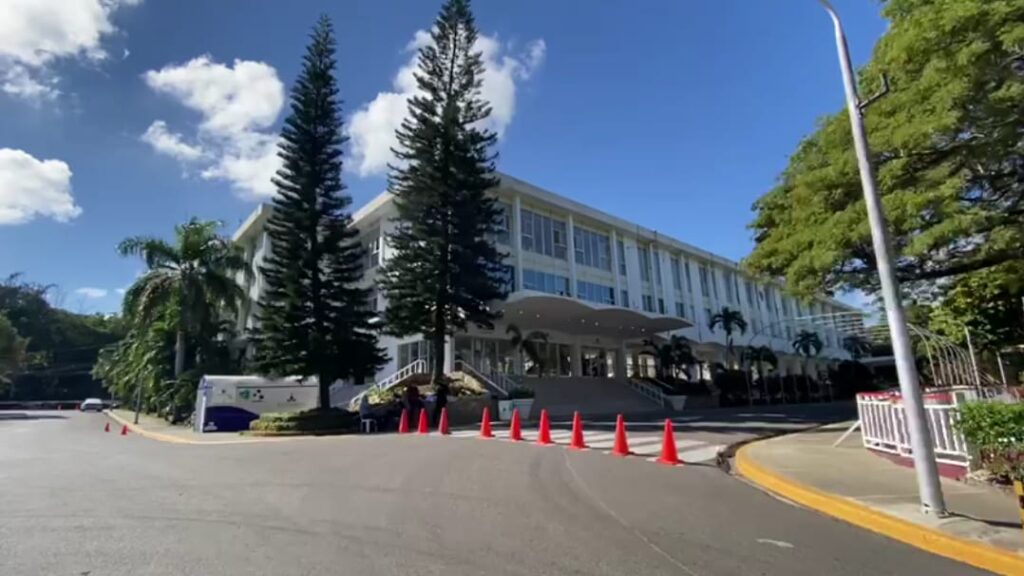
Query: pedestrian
[[440, 401]]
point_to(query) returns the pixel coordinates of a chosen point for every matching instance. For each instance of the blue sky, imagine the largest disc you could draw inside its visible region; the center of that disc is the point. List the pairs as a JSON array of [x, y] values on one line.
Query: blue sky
[[124, 117]]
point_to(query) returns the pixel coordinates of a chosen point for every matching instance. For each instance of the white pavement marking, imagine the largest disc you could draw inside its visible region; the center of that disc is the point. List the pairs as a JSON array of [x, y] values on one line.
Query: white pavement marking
[[778, 543], [645, 445]]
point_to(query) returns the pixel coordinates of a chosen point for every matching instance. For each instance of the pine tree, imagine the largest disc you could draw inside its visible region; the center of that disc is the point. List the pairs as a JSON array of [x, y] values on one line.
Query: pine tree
[[446, 271], [313, 319]]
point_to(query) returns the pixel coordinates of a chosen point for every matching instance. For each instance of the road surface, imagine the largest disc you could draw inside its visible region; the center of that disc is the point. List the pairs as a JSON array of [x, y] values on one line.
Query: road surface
[[77, 501]]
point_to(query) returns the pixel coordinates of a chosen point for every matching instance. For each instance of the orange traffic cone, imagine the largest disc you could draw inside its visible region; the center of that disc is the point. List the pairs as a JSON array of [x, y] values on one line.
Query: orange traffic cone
[[423, 427], [668, 446], [442, 426], [403, 422], [577, 443], [124, 430], [621, 447], [515, 432], [485, 424], [106, 427], [544, 431]]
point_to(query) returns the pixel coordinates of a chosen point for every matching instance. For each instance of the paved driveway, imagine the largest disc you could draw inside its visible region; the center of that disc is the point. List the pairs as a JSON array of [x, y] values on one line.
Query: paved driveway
[[75, 500]]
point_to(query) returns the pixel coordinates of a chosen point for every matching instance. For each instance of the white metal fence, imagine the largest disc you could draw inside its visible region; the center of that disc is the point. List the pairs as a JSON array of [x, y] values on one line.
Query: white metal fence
[[884, 424]]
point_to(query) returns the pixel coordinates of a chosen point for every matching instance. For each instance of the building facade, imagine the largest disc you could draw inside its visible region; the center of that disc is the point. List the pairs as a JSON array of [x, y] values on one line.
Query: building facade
[[598, 287]]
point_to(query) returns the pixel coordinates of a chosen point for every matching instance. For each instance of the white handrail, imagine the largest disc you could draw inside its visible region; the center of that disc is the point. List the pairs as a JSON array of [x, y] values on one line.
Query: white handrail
[[494, 380], [414, 367], [649, 390]]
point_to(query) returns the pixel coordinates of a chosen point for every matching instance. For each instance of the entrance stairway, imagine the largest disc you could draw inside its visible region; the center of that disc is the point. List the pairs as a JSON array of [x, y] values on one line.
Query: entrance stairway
[[590, 396]]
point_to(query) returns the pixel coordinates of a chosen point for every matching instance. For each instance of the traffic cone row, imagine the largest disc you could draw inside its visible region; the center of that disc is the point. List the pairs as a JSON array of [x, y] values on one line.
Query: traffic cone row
[[124, 428]]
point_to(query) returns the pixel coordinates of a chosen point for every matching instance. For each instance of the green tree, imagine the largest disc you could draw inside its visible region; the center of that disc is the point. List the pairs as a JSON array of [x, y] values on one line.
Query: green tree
[[729, 321], [195, 276], [947, 146], [808, 344], [528, 344], [857, 346], [12, 351], [988, 303], [313, 318], [446, 272]]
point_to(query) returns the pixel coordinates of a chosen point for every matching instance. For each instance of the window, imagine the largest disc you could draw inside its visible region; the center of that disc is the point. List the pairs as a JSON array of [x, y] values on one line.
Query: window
[[543, 235], [714, 282], [373, 252], [544, 282], [689, 280], [680, 309], [592, 249], [595, 292], [693, 312], [677, 275], [729, 295], [371, 299], [648, 302], [750, 294], [625, 299], [413, 351], [661, 305], [704, 282], [789, 333], [785, 306], [707, 314], [622, 257], [645, 263], [502, 224], [755, 325], [657, 267]]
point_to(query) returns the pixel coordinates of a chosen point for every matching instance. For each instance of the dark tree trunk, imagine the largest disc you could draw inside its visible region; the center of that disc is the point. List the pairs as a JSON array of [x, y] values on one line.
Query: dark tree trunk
[[325, 391]]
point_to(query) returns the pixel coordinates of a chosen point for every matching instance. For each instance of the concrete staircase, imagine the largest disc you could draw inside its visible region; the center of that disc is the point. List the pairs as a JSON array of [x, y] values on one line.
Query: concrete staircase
[[590, 396]]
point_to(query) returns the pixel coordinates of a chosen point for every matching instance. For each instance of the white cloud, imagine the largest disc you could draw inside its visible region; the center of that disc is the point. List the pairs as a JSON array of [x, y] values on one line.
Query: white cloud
[[237, 105], [170, 143], [372, 127], [35, 33], [92, 293], [30, 187]]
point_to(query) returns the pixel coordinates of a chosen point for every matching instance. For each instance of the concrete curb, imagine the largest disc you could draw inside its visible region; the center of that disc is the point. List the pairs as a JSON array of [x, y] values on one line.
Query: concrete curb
[[969, 552], [135, 428]]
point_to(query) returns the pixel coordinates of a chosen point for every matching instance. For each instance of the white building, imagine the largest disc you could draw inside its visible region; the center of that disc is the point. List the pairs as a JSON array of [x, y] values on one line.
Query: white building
[[598, 286]]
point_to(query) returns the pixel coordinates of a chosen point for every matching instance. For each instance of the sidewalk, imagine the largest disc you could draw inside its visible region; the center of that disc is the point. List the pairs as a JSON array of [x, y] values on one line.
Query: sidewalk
[[854, 485], [159, 429]]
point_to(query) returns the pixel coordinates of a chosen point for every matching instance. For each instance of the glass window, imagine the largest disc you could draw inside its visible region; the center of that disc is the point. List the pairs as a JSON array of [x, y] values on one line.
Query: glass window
[[693, 312], [789, 333], [622, 258], [592, 249], [714, 282], [645, 263], [785, 306], [595, 292], [544, 282], [689, 280], [729, 287], [750, 294], [657, 266], [373, 252], [625, 299], [648, 302], [502, 224], [677, 275], [661, 305], [705, 292], [371, 299], [543, 235], [707, 314], [413, 351], [680, 309]]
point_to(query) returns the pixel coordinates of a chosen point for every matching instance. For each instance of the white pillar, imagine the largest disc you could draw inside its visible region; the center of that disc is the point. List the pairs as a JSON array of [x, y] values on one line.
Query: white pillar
[[449, 354], [572, 256], [615, 270], [620, 361], [517, 239]]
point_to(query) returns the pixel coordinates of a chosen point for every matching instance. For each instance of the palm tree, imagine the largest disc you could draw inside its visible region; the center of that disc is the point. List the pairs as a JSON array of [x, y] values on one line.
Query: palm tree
[[758, 356], [807, 344], [528, 344], [857, 345], [676, 353], [194, 277], [729, 320]]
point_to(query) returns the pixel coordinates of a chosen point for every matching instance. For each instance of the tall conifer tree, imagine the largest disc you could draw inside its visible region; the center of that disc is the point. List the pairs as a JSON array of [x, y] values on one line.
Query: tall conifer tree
[[446, 271], [313, 319]]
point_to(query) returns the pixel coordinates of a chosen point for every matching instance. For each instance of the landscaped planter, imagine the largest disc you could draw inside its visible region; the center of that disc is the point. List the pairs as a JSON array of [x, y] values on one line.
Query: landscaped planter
[[677, 403], [525, 406]]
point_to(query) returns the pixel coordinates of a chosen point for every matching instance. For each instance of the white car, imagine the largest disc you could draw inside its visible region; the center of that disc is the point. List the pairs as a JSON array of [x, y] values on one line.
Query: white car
[[94, 404]]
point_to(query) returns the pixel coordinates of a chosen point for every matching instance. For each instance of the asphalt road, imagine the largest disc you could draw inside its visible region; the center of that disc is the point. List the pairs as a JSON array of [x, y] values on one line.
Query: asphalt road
[[76, 501]]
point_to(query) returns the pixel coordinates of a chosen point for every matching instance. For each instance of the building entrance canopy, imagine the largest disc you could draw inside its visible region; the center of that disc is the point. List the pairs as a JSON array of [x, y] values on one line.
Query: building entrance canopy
[[539, 311]]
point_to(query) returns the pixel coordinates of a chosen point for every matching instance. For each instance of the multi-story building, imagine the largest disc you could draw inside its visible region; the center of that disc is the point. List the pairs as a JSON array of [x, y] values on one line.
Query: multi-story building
[[599, 287]]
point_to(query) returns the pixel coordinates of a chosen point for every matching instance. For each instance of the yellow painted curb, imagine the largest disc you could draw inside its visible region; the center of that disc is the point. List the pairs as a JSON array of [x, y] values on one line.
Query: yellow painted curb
[[178, 440], [970, 552]]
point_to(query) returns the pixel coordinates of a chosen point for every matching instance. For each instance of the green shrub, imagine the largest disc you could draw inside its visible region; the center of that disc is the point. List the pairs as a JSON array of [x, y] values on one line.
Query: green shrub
[[996, 431], [520, 393], [316, 420]]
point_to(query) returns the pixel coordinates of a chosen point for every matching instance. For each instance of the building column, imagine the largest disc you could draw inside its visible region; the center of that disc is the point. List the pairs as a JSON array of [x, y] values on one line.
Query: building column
[[449, 354], [571, 241], [517, 240], [576, 359], [620, 361], [615, 270]]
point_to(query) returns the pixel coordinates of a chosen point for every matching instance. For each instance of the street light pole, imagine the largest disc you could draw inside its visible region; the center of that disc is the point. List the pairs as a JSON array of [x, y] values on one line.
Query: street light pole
[[929, 490]]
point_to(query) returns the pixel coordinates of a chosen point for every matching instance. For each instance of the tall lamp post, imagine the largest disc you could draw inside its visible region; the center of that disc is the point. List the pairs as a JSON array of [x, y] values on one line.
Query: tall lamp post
[[929, 490]]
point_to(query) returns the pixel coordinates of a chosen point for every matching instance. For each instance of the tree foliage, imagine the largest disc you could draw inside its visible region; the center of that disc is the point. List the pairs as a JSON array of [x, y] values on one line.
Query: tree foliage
[[313, 318], [947, 143], [446, 271], [988, 303], [675, 354], [729, 321]]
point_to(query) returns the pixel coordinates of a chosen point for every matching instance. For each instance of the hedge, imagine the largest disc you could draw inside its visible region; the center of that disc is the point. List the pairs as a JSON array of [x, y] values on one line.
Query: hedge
[[996, 431], [334, 420]]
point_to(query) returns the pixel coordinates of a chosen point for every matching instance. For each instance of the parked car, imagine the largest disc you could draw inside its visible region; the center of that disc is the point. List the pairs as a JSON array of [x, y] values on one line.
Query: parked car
[[93, 404]]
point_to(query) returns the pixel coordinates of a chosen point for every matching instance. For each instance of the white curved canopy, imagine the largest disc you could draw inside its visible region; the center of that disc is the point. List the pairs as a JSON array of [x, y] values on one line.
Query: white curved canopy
[[539, 310]]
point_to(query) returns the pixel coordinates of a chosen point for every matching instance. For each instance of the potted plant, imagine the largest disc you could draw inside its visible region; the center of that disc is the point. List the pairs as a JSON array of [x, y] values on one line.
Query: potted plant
[[520, 397]]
